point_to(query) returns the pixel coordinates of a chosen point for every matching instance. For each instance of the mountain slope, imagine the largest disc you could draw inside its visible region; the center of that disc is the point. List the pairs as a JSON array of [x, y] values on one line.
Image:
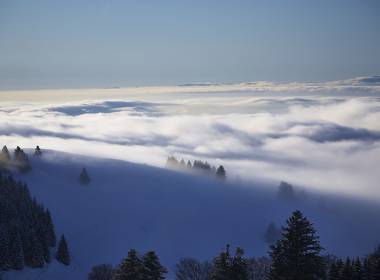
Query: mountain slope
[[136, 206]]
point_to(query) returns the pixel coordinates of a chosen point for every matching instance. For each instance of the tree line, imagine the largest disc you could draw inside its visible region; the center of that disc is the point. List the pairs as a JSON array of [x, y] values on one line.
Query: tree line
[[199, 166], [27, 234], [296, 255], [19, 161]]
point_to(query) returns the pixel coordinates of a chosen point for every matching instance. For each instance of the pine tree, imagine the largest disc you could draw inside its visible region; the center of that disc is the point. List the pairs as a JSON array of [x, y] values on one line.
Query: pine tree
[[16, 252], [84, 178], [272, 233], [222, 266], [36, 257], [357, 273], [374, 264], [152, 268], [50, 232], [4, 248], [220, 172], [239, 266], [296, 256], [347, 270], [63, 255], [334, 272], [131, 268], [37, 151], [5, 158]]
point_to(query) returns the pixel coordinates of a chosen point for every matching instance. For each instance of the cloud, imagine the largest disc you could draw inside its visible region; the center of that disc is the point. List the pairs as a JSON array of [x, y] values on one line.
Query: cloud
[[320, 141]]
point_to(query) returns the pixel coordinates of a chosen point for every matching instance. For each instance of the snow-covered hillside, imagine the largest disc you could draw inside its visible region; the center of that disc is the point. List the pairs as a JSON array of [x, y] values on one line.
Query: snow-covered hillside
[[136, 206]]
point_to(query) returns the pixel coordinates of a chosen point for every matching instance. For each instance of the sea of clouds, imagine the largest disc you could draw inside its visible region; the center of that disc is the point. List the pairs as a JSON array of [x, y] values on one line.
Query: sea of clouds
[[321, 136]]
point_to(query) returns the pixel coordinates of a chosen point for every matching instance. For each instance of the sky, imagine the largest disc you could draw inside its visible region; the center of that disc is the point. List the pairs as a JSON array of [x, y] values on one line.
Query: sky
[[92, 43]]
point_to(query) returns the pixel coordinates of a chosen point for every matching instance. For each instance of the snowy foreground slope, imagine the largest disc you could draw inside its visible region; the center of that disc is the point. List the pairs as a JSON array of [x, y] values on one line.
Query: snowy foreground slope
[[177, 215]]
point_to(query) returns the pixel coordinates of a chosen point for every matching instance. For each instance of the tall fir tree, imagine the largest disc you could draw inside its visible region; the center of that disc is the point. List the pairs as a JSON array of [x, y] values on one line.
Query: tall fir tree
[[222, 265], [63, 255], [221, 172], [84, 178], [239, 266], [131, 268], [296, 256], [152, 268]]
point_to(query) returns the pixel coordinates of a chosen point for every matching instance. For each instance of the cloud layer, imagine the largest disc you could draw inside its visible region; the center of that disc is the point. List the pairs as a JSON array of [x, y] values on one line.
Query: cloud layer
[[305, 134]]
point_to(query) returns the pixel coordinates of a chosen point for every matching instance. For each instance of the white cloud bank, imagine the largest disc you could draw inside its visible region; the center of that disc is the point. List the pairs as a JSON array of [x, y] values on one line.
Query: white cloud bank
[[321, 136]]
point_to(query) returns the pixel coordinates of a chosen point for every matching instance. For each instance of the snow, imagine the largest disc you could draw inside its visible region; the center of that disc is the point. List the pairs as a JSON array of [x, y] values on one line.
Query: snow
[[131, 205]]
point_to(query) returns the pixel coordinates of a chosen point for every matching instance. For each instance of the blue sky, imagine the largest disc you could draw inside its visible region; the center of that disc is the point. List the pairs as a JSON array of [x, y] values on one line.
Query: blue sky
[[68, 44]]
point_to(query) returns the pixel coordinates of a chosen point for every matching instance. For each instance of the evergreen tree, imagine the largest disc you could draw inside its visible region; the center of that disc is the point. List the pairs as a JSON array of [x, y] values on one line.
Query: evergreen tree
[[239, 266], [101, 272], [131, 268], [36, 254], [220, 172], [347, 270], [50, 232], [286, 192], [334, 272], [37, 151], [374, 264], [4, 248], [296, 256], [189, 165], [222, 266], [272, 233], [152, 268], [84, 178], [4, 158], [357, 273], [63, 255], [21, 160], [16, 253]]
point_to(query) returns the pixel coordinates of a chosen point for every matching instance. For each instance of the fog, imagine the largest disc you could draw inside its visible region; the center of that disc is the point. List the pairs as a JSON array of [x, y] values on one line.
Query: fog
[[320, 136]]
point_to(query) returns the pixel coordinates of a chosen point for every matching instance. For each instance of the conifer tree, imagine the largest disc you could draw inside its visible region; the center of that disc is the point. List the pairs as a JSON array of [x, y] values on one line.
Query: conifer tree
[[357, 273], [4, 249], [84, 178], [63, 255], [4, 158], [37, 151], [220, 172], [152, 268], [334, 272], [16, 252], [374, 264], [222, 266], [50, 232], [239, 266], [296, 256], [347, 269], [131, 267]]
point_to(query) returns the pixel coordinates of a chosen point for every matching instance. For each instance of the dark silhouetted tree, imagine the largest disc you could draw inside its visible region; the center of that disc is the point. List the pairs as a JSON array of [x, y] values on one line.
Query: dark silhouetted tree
[[37, 151], [222, 265], [21, 160], [220, 172], [63, 255], [152, 268], [296, 256], [131, 268], [84, 178], [101, 272], [272, 234], [239, 266], [286, 192]]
